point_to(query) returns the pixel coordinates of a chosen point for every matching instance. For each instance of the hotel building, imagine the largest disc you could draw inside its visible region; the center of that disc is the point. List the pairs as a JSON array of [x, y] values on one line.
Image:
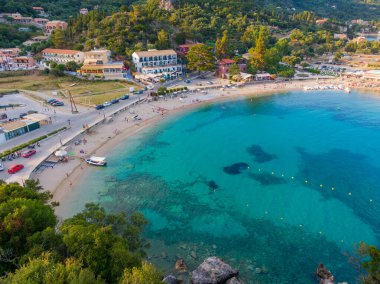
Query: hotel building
[[157, 62], [62, 56]]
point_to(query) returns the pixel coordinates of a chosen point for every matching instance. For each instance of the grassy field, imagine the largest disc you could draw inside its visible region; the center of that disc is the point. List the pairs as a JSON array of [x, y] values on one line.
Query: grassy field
[[85, 92], [99, 99]]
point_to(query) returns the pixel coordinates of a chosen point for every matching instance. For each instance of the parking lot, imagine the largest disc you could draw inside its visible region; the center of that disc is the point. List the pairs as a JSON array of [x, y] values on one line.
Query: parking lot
[[24, 104]]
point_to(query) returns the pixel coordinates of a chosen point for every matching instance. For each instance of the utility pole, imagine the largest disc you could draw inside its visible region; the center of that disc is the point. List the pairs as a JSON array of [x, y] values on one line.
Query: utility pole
[[72, 103]]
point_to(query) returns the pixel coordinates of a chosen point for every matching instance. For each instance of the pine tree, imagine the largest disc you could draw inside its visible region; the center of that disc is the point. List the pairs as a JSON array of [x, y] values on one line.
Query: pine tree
[[222, 46], [58, 39], [258, 53], [162, 40], [200, 58]]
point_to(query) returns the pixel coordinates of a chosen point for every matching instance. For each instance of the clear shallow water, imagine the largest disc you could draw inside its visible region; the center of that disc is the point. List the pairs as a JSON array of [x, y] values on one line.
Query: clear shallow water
[[278, 183]]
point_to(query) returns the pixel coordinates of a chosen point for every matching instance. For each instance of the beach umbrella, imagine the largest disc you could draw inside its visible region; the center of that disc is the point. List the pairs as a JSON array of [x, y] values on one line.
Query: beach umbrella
[[60, 153]]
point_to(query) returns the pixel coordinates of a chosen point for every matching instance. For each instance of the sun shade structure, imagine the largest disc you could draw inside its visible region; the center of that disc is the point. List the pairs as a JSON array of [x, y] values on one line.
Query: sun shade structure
[[60, 153]]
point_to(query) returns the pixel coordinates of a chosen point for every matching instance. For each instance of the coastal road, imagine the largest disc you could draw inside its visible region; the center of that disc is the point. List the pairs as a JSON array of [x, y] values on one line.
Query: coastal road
[[50, 145]]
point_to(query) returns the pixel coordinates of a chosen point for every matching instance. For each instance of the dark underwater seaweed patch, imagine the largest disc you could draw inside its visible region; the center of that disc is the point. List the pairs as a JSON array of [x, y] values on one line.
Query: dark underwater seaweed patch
[[266, 178], [236, 168], [354, 179], [260, 155]]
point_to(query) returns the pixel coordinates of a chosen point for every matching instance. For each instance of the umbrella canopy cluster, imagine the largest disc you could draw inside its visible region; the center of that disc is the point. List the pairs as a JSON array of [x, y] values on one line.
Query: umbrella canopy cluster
[[60, 153]]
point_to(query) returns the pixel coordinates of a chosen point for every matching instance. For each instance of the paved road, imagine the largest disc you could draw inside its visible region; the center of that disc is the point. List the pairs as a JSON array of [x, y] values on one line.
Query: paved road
[[53, 143]]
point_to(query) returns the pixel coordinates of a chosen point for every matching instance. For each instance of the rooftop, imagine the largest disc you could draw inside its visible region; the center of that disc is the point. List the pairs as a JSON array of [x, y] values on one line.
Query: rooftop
[[60, 51], [373, 72], [56, 22], [37, 117], [154, 52], [13, 125], [227, 61]]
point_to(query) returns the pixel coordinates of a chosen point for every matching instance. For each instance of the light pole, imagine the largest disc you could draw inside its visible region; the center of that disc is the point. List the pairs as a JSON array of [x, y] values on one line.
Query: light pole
[[60, 139]]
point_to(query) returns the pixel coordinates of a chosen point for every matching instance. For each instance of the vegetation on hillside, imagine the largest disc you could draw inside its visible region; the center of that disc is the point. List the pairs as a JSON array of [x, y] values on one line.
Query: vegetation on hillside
[[11, 36], [91, 247], [339, 9]]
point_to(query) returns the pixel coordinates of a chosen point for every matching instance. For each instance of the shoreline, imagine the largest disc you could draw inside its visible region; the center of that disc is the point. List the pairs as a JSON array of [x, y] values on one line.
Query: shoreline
[[61, 179]]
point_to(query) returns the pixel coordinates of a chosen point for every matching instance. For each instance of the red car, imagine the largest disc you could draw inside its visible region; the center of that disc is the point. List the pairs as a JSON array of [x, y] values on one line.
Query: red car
[[15, 168], [28, 153]]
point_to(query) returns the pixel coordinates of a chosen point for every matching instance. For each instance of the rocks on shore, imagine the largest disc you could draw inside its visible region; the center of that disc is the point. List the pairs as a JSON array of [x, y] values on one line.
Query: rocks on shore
[[214, 271]]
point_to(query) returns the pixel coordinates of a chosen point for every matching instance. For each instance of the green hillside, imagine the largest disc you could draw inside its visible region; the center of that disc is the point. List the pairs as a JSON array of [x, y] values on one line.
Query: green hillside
[[342, 9]]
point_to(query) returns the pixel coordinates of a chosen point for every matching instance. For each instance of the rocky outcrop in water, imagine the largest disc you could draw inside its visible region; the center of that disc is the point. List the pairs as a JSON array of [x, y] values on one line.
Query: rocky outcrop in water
[[170, 279], [180, 265], [214, 271], [325, 276]]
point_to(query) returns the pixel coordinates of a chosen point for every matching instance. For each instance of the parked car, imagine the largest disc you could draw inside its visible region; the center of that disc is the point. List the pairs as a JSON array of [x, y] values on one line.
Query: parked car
[[32, 111], [115, 101], [125, 97], [57, 103], [140, 92], [51, 101], [99, 106], [15, 168], [29, 153], [210, 83], [188, 81], [106, 104], [23, 115], [1, 167]]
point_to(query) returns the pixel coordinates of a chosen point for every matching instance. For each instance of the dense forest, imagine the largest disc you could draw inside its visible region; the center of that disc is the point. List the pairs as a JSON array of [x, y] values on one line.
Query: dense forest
[[340, 9]]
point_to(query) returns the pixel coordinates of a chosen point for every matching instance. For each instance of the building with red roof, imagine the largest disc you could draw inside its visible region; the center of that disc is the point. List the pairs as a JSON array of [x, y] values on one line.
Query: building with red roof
[[225, 64], [62, 56]]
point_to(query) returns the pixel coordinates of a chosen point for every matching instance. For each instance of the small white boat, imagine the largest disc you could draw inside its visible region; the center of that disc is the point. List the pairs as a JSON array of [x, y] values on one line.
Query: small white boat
[[347, 90], [96, 161]]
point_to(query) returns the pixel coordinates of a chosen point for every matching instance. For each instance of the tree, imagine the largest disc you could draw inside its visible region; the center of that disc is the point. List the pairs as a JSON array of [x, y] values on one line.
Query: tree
[[272, 59], [58, 39], [282, 46], [45, 269], [147, 273], [250, 35], [222, 46], [200, 58], [23, 214], [288, 73], [296, 35], [258, 53], [338, 55], [162, 40], [291, 60], [106, 243], [161, 90], [72, 66], [234, 70]]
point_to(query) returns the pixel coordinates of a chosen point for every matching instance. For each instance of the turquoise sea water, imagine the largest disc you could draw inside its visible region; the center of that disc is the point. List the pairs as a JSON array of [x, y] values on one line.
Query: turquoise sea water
[[280, 183]]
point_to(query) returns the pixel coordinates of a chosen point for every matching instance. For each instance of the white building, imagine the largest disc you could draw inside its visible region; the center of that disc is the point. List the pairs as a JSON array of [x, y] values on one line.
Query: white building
[[83, 11], [62, 56], [160, 62], [372, 74]]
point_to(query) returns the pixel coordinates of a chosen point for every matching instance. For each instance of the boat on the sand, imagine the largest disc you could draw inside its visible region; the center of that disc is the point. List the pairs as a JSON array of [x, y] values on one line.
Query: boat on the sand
[[96, 161]]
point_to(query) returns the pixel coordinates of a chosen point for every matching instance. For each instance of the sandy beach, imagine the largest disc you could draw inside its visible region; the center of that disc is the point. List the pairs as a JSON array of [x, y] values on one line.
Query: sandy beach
[[102, 138]]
